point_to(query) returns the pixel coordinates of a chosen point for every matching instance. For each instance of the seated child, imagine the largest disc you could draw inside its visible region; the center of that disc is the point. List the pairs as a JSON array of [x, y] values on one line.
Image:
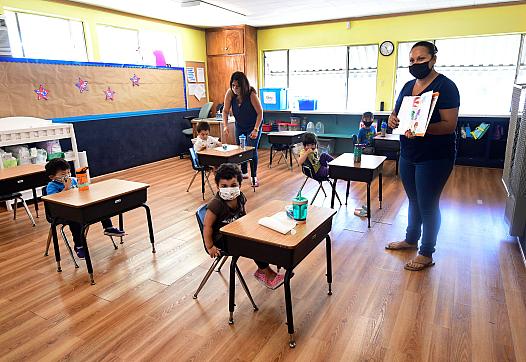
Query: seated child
[[227, 206], [59, 172], [318, 163], [203, 140], [367, 133]]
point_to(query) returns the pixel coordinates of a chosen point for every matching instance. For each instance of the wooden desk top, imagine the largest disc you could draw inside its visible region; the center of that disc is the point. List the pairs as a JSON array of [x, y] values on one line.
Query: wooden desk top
[[286, 133], [388, 137], [22, 170], [247, 226], [98, 192], [236, 150], [369, 162]]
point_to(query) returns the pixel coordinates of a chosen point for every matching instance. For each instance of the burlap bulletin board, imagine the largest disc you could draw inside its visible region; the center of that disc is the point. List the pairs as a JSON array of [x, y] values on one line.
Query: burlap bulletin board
[[20, 79]]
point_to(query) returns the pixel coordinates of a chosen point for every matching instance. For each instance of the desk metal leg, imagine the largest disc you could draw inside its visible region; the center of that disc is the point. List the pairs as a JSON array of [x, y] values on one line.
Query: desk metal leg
[[347, 192], [271, 152], [335, 181], [55, 245], [369, 204], [380, 188], [329, 263], [203, 182], [121, 225], [86, 253], [288, 306], [290, 153], [35, 200], [253, 177], [150, 226], [232, 289]]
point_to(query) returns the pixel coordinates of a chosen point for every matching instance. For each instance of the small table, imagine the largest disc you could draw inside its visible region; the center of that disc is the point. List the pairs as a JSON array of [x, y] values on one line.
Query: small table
[[217, 156], [285, 138], [245, 237], [344, 168], [103, 200], [388, 146], [23, 177]]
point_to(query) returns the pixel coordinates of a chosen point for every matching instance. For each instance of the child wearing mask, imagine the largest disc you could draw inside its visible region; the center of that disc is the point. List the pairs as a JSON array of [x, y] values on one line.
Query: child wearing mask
[[227, 206], [366, 133]]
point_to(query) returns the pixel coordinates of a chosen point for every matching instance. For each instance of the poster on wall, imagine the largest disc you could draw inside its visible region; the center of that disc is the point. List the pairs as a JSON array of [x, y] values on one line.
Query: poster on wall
[[190, 74]]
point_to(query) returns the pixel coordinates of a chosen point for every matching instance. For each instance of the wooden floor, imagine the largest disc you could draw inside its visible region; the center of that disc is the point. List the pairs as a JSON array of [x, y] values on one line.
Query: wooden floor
[[470, 307]]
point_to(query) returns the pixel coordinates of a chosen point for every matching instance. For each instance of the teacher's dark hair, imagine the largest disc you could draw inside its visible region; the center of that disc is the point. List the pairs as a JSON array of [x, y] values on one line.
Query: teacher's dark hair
[[244, 85], [431, 48]]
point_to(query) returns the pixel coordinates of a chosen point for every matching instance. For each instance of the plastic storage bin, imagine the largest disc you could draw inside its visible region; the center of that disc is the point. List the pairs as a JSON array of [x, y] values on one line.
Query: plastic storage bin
[[283, 126], [294, 127], [273, 99], [307, 104], [326, 145]]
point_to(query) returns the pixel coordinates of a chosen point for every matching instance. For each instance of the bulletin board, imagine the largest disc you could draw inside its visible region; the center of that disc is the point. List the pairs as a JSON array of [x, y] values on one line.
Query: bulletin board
[[196, 80], [57, 89]]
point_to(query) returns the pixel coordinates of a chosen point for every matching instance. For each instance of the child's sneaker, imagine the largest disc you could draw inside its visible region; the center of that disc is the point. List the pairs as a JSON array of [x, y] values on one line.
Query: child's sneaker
[[269, 283], [245, 175], [113, 231], [80, 252], [254, 182]]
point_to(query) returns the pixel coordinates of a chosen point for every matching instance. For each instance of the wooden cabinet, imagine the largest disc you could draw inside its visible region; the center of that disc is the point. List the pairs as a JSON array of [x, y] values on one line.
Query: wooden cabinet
[[229, 50]]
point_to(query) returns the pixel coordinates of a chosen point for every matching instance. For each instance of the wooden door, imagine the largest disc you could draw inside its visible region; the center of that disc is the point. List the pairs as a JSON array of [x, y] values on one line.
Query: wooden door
[[234, 43], [220, 69], [215, 42]]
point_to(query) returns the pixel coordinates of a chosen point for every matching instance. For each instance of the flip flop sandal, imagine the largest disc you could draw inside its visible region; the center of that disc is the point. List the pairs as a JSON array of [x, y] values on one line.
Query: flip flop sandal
[[421, 266], [409, 247]]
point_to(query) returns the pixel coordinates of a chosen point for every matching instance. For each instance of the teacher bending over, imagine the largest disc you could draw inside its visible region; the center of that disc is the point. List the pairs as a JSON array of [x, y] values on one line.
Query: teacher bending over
[[426, 162], [245, 105]]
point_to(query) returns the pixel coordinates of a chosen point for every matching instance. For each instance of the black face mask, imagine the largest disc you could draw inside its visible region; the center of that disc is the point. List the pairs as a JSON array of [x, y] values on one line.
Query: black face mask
[[420, 70]]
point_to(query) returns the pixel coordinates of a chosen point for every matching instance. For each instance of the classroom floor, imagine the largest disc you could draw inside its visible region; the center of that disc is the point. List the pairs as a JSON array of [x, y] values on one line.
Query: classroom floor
[[470, 306]]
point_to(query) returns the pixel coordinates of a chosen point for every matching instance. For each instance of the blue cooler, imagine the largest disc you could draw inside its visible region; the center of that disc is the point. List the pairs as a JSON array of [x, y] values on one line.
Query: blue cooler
[[273, 99], [307, 104]]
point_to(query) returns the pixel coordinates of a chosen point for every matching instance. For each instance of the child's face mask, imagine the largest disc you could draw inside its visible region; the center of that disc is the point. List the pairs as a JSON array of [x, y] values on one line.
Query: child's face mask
[[229, 193]]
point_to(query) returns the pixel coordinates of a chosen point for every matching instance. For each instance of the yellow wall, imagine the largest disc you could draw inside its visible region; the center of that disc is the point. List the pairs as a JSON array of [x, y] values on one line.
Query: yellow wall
[[193, 41], [435, 25]]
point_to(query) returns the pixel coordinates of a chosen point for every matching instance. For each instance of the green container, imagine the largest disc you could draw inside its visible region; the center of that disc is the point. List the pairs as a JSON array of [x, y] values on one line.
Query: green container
[[299, 208], [51, 156], [10, 163]]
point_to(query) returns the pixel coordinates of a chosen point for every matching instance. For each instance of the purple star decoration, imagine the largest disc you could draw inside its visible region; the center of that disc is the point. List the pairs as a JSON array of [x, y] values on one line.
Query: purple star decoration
[[41, 93], [109, 94], [135, 80], [82, 85]]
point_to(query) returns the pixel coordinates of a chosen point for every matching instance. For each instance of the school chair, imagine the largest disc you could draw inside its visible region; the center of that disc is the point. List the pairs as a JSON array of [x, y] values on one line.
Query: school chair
[[221, 259], [204, 112], [199, 169], [285, 151], [309, 174], [17, 196]]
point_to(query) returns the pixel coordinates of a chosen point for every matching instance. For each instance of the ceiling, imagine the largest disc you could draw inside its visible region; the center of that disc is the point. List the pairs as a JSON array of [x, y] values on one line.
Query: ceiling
[[260, 13]]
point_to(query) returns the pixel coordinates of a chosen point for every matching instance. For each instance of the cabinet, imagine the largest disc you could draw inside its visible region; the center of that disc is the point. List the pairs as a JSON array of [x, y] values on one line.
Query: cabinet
[[229, 50]]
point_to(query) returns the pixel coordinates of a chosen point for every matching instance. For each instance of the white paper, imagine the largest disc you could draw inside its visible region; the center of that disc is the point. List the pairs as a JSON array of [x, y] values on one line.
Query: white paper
[[415, 113], [190, 74], [227, 148], [201, 75], [200, 91], [269, 97], [279, 222]]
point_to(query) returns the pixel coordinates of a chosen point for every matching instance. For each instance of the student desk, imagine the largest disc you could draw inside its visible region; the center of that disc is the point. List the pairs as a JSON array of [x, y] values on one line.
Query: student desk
[[21, 178], [245, 237], [388, 146], [344, 168], [284, 138], [217, 156], [103, 200]]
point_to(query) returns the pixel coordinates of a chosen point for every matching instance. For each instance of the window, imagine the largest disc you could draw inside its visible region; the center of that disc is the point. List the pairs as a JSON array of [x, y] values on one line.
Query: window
[[118, 45], [363, 61], [151, 41], [402, 69], [318, 73], [276, 69], [44, 37], [483, 69]]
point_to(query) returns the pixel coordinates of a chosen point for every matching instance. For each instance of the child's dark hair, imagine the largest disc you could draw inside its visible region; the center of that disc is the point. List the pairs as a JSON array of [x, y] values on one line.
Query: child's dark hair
[[228, 171], [310, 139], [431, 48], [202, 126], [368, 115], [55, 165]]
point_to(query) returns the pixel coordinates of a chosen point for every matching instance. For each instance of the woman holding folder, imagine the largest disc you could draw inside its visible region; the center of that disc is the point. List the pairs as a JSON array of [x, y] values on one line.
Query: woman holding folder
[[426, 162]]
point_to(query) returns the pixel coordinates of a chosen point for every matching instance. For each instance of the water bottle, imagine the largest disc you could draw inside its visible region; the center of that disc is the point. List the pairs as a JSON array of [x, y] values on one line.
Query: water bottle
[[320, 129], [310, 127], [299, 208], [358, 149], [384, 128], [242, 141]]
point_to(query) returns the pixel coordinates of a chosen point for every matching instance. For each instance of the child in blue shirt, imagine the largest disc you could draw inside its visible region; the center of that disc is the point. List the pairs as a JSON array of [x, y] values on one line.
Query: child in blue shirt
[[59, 172], [366, 133]]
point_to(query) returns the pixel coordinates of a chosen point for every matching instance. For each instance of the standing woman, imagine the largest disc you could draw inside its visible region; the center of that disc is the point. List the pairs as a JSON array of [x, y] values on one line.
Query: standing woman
[[247, 110], [426, 162]]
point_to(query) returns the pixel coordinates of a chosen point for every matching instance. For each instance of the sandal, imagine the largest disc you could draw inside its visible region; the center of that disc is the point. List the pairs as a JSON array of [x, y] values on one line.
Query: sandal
[[360, 212], [401, 245], [269, 283], [413, 265]]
